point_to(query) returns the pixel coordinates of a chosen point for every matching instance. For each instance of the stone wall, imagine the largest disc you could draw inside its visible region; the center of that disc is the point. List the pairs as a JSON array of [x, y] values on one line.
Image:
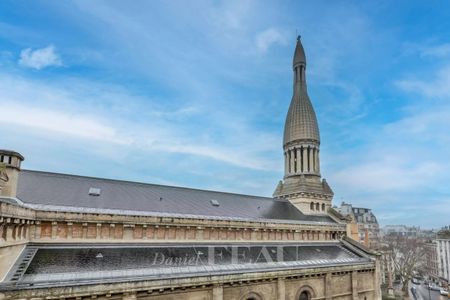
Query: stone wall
[[62, 231], [7, 256], [22, 224], [344, 282]]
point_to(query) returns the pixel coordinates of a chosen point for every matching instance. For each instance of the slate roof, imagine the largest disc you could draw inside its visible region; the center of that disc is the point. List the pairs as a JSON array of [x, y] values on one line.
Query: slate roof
[[53, 265], [61, 192]]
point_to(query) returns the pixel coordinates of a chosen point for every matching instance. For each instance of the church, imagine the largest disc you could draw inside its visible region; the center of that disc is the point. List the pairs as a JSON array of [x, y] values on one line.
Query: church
[[76, 237]]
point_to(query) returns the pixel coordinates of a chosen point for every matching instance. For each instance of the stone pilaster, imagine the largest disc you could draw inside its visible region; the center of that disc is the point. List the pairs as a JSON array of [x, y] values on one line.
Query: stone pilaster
[[311, 162], [129, 296], [355, 286], [128, 231], [99, 231], [377, 278], [281, 289], [69, 230], [37, 231], [54, 230], [317, 161], [84, 230], [286, 163], [217, 293], [200, 233], [299, 160], [292, 161], [305, 159], [10, 228], [144, 231], [112, 228], [328, 287]]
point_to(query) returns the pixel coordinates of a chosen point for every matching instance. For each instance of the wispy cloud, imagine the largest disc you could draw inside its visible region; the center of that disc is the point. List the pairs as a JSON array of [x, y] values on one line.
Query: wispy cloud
[[77, 117], [59, 122], [269, 37], [388, 175], [439, 51], [439, 86], [403, 162], [40, 58]]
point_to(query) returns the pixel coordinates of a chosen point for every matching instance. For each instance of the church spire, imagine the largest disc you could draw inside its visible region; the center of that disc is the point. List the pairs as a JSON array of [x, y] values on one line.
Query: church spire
[[301, 131], [302, 184]]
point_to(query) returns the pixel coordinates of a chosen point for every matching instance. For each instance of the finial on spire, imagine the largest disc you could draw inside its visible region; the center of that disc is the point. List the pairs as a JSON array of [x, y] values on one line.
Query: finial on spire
[[299, 55]]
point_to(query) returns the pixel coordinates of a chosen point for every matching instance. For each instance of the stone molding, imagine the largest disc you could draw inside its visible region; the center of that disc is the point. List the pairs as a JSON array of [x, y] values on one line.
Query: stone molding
[[18, 223]]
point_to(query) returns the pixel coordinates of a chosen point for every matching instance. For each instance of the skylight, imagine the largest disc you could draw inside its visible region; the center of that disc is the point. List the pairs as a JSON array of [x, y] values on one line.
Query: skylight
[[94, 191]]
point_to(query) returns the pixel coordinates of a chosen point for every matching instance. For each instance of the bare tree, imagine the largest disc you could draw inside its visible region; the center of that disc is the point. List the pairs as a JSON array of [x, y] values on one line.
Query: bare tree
[[407, 256]]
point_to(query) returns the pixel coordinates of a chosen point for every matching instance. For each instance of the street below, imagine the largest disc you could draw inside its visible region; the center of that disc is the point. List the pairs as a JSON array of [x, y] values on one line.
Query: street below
[[423, 293]]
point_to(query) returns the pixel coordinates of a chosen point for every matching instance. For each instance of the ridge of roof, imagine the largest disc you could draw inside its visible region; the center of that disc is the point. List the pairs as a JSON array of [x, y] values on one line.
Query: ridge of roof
[[88, 210]]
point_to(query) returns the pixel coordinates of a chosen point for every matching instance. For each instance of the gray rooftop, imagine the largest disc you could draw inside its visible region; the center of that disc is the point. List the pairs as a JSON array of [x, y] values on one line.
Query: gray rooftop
[[53, 265], [61, 192]]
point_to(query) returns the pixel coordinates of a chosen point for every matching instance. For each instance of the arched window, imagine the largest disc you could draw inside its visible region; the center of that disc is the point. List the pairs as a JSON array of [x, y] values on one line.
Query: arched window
[[252, 296], [290, 158], [295, 160], [312, 206], [304, 296], [317, 206], [305, 293], [323, 206]]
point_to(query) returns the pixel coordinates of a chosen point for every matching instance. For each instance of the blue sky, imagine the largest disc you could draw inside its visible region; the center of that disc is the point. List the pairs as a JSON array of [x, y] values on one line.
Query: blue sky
[[195, 93]]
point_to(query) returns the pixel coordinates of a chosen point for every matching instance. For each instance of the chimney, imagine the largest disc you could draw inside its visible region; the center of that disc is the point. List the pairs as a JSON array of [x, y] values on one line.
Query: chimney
[[9, 172]]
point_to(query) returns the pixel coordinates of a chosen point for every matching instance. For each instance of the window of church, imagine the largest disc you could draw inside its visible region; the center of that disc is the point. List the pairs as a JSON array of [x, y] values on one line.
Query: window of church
[[304, 296], [295, 160], [312, 206], [308, 159], [314, 168], [317, 206], [252, 296], [302, 168], [290, 161], [323, 206]]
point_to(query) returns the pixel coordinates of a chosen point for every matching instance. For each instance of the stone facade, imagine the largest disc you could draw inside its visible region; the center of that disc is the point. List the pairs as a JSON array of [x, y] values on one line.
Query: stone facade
[[321, 283], [363, 226], [443, 254], [21, 226], [431, 261]]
